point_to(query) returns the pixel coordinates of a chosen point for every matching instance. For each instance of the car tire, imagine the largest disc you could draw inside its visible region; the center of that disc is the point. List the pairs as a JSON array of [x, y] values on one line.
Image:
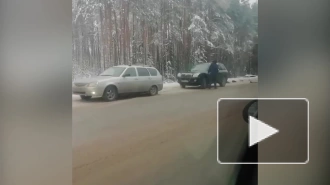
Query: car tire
[[223, 82], [183, 86], [110, 93], [153, 90], [85, 97], [203, 83]]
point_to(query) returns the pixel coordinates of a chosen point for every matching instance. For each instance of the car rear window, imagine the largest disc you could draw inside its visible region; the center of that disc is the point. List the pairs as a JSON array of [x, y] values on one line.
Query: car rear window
[[153, 72], [222, 67], [143, 72]]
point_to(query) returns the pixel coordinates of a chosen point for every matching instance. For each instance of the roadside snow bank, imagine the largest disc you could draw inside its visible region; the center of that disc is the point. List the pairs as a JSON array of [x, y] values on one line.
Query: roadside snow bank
[[75, 97], [171, 85], [246, 78]]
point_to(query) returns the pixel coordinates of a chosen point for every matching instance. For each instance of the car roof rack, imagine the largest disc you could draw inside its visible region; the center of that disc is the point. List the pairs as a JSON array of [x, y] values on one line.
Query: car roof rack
[[136, 65], [142, 65]]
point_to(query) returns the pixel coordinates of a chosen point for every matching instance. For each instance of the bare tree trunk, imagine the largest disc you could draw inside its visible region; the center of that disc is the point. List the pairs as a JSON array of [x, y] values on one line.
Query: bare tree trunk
[[128, 39], [123, 31], [110, 31], [144, 38], [101, 37], [134, 42], [118, 39], [80, 45]]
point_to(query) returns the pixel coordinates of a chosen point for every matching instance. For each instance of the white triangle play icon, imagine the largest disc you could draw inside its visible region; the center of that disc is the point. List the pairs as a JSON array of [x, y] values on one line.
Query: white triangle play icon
[[259, 131]]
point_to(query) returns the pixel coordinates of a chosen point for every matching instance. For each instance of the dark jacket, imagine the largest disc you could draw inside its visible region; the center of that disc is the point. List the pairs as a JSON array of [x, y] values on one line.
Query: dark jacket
[[213, 69]]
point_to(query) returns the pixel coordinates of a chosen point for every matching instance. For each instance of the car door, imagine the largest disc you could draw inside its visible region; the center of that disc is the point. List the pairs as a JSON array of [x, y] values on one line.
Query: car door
[[144, 79], [129, 81], [222, 68], [222, 72]]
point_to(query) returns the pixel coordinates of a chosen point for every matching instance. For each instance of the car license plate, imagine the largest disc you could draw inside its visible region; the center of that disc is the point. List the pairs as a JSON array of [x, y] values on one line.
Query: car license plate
[[79, 93], [184, 80]]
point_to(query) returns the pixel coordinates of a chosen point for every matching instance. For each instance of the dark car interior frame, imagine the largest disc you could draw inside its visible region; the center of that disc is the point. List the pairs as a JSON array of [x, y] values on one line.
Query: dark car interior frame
[[248, 173]]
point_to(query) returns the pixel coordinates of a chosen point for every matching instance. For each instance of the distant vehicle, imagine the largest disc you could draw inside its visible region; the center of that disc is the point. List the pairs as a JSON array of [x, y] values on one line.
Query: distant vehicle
[[249, 76], [198, 76], [252, 78], [120, 80]]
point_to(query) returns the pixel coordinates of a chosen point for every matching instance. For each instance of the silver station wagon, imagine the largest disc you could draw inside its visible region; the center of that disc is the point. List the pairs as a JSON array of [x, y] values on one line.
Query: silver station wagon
[[119, 80]]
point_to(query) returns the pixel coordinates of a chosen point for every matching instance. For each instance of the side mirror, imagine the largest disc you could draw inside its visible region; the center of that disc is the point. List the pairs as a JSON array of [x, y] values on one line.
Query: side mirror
[[126, 75], [251, 109]]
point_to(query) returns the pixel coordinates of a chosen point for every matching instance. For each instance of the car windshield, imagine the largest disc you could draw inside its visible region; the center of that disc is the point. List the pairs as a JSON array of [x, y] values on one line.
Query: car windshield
[[200, 67], [113, 71]]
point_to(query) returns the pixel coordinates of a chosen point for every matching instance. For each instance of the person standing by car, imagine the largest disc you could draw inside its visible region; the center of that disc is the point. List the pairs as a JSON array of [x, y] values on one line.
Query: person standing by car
[[213, 72]]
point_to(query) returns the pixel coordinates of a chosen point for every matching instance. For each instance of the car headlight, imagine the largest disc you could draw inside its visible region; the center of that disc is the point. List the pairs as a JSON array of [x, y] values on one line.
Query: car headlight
[[94, 84], [196, 75], [179, 75]]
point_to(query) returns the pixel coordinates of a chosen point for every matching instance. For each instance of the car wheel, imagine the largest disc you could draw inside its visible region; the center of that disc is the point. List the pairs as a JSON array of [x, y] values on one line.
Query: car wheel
[[85, 97], [203, 83], [223, 82], [183, 86], [153, 90], [110, 93]]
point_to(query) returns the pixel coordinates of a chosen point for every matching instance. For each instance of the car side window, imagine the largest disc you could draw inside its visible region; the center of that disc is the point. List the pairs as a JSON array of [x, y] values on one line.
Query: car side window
[[143, 71], [152, 71], [131, 72]]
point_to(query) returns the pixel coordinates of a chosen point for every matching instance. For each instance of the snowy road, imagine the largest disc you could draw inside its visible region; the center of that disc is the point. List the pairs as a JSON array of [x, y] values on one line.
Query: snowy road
[[160, 140]]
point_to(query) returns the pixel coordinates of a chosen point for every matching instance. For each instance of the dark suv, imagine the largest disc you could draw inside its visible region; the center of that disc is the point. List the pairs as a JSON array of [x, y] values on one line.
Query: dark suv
[[198, 76]]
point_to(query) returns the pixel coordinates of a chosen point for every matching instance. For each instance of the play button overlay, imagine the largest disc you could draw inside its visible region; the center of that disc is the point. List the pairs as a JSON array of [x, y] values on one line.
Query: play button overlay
[[262, 131], [258, 131]]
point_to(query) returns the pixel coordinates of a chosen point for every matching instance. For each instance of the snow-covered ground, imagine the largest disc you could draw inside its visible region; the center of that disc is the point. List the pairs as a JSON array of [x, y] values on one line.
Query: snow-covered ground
[[171, 85], [249, 78]]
